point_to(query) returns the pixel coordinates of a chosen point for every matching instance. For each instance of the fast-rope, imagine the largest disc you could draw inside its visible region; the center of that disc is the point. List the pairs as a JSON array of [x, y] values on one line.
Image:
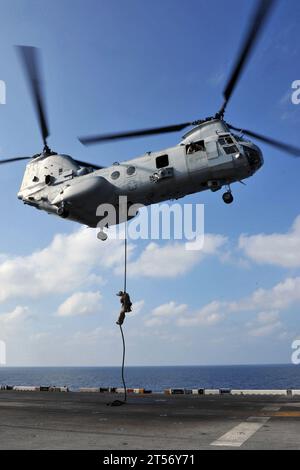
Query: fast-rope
[[122, 402]]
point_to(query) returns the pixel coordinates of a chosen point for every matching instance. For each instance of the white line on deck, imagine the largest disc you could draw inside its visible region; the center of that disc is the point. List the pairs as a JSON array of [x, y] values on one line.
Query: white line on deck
[[241, 433], [271, 408]]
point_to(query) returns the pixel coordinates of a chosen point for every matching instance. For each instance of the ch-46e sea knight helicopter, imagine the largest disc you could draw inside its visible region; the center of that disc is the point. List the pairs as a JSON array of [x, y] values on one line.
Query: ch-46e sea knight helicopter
[[209, 156]]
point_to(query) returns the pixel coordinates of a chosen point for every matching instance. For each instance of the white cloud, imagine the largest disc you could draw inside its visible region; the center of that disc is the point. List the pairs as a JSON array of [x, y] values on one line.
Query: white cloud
[[280, 297], [266, 330], [178, 314], [275, 249], [165, 313], [137, 307], [152, 321], [265, 324], [267, 302], [80, 303], [173, 259], [169, 309], [18, 314], [78, 259], [66, 264], [15, 330], [267, 317], [209, 315]]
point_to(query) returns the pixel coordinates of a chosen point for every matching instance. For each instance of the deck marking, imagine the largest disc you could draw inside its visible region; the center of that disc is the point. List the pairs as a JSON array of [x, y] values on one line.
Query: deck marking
[[271, 408], [241, 433], [287, 414]]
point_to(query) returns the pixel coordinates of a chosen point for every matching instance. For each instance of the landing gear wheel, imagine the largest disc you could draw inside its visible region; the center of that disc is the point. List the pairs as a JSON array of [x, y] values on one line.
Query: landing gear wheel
[[62, 211], [227, 197], [102, 236]]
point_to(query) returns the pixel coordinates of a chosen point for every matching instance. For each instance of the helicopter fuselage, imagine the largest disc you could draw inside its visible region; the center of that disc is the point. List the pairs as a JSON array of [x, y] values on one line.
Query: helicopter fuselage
[[208, 157]]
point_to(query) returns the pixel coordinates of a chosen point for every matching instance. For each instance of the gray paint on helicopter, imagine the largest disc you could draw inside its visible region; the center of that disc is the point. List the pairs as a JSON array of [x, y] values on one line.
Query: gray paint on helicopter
[[54, 181]]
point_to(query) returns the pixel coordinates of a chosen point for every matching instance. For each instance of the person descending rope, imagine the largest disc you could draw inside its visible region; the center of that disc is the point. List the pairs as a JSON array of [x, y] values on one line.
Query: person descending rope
[[126, 306], [124, 296]]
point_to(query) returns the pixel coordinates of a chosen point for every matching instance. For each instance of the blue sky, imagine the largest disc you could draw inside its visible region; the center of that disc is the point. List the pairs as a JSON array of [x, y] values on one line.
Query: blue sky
[[115, 65]]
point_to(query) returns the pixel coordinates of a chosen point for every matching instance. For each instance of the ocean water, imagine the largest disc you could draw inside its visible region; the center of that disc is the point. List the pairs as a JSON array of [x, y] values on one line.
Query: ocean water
[[158, 378]]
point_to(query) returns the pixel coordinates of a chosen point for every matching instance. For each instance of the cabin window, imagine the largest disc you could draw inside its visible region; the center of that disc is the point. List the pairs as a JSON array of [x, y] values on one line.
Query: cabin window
[[226, 140], [231, 149], [48, 179], [162, 161], [228, 144], [195, 147], [130, 170], [115, 175]]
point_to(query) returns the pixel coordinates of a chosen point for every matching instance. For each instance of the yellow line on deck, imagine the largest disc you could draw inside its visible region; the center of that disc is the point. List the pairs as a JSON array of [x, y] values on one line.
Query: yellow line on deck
[[282, 414]]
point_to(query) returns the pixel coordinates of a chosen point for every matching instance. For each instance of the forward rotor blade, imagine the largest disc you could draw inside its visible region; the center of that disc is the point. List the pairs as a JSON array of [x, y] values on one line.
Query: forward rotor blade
[[96, 139], [16, 159], [255, 28], [30, 59], [291, 149]]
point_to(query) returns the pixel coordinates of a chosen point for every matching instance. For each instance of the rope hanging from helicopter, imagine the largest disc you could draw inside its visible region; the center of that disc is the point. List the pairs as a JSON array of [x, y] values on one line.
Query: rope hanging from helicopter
[[126, 306]]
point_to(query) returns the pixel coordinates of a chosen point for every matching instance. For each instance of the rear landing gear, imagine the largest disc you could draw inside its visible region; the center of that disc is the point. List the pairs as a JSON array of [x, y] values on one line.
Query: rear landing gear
[[102, 236], [228, 197], [62, 211]]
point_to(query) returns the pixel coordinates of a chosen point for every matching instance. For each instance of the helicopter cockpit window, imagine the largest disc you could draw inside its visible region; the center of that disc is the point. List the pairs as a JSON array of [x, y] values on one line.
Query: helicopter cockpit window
[[231, 149], [228, 144], [162, 161], [226, 140], [195, 147]]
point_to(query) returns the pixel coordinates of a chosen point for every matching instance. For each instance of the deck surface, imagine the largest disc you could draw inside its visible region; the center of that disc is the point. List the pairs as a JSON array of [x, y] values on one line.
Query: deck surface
[[45, 420]]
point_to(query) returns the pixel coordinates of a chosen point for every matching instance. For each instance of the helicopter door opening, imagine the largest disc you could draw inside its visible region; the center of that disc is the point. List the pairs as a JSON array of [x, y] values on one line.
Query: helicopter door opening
[[196, 156], [195, 147]]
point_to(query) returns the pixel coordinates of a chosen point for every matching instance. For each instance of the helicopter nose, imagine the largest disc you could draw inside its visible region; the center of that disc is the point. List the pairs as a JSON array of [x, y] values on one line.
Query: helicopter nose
[[254, 156]]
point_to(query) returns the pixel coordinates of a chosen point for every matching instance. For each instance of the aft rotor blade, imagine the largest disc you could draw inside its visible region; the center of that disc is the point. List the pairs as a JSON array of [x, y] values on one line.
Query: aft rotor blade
[[16, 159], [96, 139], [91, 165], [291, 149], [31, 63], [255, 28]]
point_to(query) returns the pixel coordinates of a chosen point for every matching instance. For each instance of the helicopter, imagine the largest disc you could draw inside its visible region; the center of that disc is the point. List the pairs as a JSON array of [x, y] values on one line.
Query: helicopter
[[212, 155]]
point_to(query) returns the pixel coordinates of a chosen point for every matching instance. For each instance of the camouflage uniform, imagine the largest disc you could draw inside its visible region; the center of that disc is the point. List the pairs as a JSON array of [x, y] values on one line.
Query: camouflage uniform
[[126, 306]]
